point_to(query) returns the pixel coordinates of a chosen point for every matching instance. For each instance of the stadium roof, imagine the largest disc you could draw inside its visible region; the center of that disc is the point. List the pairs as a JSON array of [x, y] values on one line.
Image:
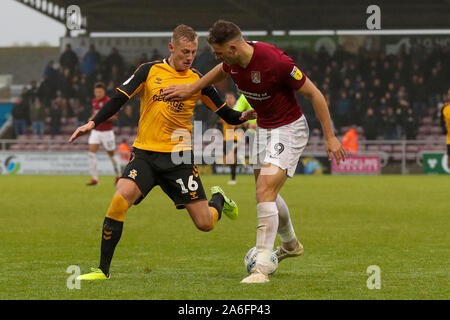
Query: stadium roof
[[157, 16]]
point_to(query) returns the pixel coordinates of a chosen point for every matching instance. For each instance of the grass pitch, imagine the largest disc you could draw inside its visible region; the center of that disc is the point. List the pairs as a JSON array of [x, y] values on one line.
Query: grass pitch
[[346, 223]]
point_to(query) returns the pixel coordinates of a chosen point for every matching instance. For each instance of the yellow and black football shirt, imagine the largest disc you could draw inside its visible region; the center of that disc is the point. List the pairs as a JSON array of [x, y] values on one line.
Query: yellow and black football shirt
[[446, 115], [165, 126]]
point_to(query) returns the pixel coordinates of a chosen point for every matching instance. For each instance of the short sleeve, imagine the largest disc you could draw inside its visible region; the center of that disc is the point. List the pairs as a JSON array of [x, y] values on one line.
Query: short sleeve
[[289, 73], [136, 82]]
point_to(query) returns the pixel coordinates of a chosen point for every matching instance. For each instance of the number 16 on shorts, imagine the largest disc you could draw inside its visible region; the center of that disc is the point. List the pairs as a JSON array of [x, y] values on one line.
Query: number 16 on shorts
[[192, 184]]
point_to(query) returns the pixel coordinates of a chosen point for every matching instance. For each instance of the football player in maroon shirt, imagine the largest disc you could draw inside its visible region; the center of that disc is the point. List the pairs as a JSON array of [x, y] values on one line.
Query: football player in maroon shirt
[[269, 79]]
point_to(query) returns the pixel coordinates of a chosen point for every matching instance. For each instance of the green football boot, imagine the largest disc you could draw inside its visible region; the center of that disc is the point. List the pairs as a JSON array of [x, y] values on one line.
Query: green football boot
[[230, 208], [95, 274]]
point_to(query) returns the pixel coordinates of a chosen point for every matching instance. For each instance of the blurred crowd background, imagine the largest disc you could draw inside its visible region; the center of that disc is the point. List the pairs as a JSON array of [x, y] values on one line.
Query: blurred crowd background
[[383, 96]]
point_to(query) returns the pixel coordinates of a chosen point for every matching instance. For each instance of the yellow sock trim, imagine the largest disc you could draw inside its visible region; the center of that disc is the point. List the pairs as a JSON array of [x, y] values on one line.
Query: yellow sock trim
[[214, 216], [118, 208]]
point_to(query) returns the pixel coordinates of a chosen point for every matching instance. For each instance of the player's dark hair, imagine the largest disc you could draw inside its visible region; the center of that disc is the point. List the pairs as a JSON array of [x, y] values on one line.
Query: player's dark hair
[[99, 85], [223, 31], [184, 31]]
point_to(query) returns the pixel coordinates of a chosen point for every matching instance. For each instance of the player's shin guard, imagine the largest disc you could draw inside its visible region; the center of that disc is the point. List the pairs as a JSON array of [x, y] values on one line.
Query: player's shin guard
[[214, 218], [93, 165], [112, 230], [216, 203], [285, 228], [266, 233]]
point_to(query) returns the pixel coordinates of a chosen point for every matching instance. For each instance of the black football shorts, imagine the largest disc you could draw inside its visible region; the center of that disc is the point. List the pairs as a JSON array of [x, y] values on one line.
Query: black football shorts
[[181, 182]]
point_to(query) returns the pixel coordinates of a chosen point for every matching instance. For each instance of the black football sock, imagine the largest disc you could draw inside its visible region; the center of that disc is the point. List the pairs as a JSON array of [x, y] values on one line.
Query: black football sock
[[112, 231], [217, 202]]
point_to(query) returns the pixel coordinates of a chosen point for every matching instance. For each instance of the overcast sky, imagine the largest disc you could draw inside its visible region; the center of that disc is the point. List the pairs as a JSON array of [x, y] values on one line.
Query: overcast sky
[[22, 25]]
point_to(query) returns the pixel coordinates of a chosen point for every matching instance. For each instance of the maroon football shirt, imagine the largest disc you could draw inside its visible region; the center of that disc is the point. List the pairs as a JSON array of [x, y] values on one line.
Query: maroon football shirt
[[96, 106], [269, 83]]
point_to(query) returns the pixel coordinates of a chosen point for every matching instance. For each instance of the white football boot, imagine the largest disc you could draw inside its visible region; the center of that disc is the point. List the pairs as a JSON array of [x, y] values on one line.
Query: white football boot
[[256, 276], [282, 253]]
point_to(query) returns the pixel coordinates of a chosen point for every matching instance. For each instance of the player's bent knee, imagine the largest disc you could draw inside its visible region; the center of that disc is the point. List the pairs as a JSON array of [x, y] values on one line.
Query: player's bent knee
[[204, 223], [205, 227], [128, 190]]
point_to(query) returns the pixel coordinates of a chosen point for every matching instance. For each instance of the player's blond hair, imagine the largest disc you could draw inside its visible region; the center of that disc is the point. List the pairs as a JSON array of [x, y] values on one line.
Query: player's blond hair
[[184, 31]]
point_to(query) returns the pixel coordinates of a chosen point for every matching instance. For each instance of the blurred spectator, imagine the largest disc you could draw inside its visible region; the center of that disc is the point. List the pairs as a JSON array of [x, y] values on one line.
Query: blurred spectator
[[350, 141], [20, 114], [26, 104], [55, 114], [358, 109], [370, 125], [389, 124], [343, 109], [126, 117], [37, 117], [124, 151], [114, 59], [435, 85], [115, 76], [52, 73], [410, 125], [84, 91], [66, 84], [400, 115], [83, 114], [110, 88], [68, 59], [156, 55], [33, 92], [419, 96], [203, 60], [143, 58], [46, 91], [90, 60]]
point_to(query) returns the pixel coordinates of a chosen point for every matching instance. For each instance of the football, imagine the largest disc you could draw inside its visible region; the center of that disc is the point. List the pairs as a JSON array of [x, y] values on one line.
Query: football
[[250, 261]]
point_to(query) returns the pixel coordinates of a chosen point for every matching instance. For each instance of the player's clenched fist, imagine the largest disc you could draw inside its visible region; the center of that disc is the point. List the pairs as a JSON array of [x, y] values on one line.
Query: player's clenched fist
[[82, 130]]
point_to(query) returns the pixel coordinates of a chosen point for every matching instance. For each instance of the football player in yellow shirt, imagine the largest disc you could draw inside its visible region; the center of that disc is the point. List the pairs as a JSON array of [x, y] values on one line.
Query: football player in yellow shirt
[[157, 144], [446, 122], [231, 139]]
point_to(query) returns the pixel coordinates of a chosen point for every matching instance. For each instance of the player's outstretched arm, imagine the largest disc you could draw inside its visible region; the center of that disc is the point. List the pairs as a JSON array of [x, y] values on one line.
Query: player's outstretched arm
[[332, 144], [106, 112], [183, 92], [81, 131]]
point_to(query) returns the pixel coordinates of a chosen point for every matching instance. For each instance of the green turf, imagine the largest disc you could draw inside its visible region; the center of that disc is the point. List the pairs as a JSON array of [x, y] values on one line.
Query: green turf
[[346, 223]]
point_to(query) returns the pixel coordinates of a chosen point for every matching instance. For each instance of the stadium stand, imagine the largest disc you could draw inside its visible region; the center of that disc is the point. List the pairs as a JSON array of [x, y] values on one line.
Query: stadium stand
[[383, 96]]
